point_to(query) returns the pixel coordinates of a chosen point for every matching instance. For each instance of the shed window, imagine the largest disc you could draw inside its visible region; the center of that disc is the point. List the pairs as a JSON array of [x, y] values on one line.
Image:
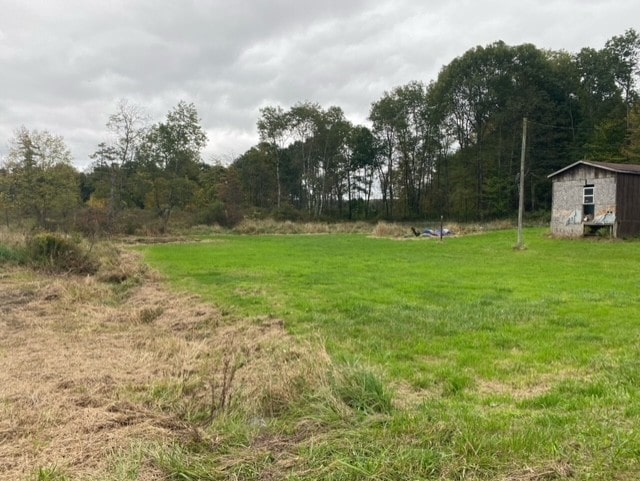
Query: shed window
[[588, 194]]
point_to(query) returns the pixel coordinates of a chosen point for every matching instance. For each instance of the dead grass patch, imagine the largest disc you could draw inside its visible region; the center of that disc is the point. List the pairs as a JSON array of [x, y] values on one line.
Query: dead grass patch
[[11, 236], [270, 226], [516, 392], [83, 368], [554, 471], [388, 229], [529, 387]]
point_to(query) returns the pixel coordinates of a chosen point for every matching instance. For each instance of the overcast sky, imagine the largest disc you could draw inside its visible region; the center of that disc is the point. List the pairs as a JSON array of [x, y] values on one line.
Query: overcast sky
[[65, 64]]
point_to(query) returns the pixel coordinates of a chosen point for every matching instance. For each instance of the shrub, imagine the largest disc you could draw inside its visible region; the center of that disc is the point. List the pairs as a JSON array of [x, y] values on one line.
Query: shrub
[[56, 253], [287, 213], [93, 222], [133, 221], [225, 215], [212, 214]]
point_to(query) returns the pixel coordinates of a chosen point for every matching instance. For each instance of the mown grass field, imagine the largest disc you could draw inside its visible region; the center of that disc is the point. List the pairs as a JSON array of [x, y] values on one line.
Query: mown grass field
[[501, 364]]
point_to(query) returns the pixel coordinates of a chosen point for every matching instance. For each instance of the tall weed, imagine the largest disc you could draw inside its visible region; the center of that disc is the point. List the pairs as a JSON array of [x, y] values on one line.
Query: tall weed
[[362, 390]]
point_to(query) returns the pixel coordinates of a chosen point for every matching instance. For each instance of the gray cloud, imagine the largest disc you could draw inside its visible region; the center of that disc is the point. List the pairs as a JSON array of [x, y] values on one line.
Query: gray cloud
[[66, 63]]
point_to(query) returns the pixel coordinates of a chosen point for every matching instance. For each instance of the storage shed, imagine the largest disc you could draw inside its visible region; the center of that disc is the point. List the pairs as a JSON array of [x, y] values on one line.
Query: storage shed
[[591, 197]]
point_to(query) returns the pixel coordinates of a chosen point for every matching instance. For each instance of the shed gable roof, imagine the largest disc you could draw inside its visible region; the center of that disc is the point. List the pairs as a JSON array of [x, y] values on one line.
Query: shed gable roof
[[610, 166]]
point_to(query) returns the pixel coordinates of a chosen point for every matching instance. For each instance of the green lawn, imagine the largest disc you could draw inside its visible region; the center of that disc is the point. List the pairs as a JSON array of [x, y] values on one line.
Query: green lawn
[[510, 363]]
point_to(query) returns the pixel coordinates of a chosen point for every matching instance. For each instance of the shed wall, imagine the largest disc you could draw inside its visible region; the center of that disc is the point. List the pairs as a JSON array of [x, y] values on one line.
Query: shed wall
[[568, 189], [628, 201]]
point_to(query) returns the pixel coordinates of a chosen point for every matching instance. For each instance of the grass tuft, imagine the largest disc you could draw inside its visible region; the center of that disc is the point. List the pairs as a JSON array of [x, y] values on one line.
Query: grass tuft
[[50, 473], [180, 464], [12, 254], [362, 390]]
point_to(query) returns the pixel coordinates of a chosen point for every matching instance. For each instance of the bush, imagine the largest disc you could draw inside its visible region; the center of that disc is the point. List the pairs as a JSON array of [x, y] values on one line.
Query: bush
[[56, 253], [93, 222], [133, 221], [288, 213], [219, 213]]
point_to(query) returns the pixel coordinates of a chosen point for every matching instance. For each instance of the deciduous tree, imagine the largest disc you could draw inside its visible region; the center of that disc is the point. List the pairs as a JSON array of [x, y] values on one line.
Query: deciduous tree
[[43, 183], [170, 156], [274, 129]]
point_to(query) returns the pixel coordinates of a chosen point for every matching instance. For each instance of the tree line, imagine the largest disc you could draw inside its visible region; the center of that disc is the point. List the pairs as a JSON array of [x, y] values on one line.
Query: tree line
[[449, 147]]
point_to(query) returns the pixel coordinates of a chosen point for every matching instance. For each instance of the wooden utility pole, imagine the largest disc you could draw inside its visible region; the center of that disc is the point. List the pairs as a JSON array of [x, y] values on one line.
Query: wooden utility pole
[[520, 244]]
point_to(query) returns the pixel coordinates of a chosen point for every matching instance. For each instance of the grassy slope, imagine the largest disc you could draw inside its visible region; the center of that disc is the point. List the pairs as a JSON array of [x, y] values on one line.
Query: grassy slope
[[501, 359]]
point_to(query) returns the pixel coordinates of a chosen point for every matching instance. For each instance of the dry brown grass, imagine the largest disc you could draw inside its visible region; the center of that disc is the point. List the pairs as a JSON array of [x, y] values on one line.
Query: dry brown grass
[[11, 237], [80, 358], [555, 470], [479, 228], [388, 229], [380, 229], [397, 230], [270, 226]]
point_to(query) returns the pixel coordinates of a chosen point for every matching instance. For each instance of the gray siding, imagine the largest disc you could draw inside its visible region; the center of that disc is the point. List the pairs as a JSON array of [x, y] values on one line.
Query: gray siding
[[568, 188]]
